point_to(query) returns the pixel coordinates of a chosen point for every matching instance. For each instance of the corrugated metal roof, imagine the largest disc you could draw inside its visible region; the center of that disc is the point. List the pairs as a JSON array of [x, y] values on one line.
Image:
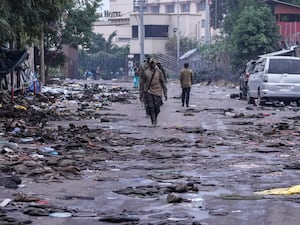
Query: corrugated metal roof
[[188, 54], [283, 3], [281, 52]]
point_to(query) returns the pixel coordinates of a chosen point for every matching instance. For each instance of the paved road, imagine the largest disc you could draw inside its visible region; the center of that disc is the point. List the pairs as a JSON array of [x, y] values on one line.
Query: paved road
[[212, 156]]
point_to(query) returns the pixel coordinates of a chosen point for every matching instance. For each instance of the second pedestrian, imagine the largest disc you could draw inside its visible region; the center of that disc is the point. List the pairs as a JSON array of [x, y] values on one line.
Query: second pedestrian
[[186, 79]]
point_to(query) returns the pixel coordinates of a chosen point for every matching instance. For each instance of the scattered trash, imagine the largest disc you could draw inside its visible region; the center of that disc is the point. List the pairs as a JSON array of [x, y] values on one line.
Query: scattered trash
[[172, 198], [20, 107], [5, 202], [219, 212], [26, 140], [16, 130], [281, 191], [119, 219], [241, 197], [61, 214], [22, 197], [50, 150], [236, 211]]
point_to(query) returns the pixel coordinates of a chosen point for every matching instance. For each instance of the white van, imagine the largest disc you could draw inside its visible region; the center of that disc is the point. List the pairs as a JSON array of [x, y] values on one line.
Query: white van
[[275, 78]]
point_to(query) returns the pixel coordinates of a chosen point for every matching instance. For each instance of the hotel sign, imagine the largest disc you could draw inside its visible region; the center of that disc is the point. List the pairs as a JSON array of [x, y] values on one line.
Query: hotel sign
[[110, 14]]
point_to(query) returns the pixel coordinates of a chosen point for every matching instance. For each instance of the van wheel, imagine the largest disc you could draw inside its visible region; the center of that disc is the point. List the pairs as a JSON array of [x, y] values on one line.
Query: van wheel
[[250, 100]]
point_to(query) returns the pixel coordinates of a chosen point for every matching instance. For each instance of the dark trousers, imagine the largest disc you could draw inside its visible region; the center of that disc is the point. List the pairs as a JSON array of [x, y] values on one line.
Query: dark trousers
[[145, 104], [153, 104], [185, 96]]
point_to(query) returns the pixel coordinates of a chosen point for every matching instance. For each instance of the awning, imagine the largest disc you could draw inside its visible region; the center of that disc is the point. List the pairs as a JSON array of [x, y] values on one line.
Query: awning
[[10, 60]]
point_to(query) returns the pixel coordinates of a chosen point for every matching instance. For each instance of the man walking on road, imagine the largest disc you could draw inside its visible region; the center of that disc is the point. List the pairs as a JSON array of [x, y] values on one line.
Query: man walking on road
[[186, 78], [154, 86]]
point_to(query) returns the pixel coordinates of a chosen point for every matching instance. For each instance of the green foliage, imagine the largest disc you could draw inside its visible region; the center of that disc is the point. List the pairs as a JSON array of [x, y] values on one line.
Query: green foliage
[[255, 33], [217, 51], [78, 24], [96, 44], [6, 32], [234, 8], [185, 44], [171, 47], [29, 18], [105, 55], [62, 21]]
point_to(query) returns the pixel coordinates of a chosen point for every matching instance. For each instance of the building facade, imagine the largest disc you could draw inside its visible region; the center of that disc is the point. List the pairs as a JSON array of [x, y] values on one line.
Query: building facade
[[115, 18], [288, 21], [162, 19]]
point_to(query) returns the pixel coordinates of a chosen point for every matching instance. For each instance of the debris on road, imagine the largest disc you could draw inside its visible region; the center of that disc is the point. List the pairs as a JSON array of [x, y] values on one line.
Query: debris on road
[[84, 149]]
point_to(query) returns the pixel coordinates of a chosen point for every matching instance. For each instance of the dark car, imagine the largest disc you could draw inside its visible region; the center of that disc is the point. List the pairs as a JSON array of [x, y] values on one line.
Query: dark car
[[244, 77]]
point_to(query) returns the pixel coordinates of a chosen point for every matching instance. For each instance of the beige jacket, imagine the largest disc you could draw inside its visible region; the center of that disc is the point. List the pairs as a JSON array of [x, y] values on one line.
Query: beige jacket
[[186, 78], [157, 86]]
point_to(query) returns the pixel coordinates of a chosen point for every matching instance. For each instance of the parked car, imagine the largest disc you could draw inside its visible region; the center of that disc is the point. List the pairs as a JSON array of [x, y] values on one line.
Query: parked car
[[243, 82], [275, 78]]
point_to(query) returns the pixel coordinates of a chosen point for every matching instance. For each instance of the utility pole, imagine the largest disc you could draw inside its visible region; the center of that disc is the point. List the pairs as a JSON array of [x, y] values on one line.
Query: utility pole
[[42, 61], [178, 38], [216, 14], [207, 22], [141, 30]]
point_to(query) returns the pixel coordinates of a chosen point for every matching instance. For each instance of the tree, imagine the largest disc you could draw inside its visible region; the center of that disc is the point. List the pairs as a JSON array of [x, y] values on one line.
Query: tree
[[26, 20], [61, 22], [78, 24], [216, 51], [255, 33], [104, 55], [96, 44], [185, 44], [233, 10]]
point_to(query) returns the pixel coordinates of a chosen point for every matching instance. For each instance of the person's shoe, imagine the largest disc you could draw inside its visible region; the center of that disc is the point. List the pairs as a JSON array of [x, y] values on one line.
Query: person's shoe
[[182, 105], [187, 105]]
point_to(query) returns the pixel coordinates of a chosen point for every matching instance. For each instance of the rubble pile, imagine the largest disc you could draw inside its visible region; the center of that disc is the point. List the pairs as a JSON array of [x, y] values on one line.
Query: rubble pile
[[29, 147]]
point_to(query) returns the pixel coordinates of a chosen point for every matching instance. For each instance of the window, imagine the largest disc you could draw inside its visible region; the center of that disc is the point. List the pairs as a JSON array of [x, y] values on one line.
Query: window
[[201, 6], [170, 8], [281, 66], [259, 66], [151, 31], [185, 7], [156, 31], [202, 23], [155, 9], [289, 18], [135, 32]]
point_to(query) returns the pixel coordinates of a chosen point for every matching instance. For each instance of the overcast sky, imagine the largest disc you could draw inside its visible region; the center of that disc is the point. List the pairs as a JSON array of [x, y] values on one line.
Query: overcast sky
[[105, 5]]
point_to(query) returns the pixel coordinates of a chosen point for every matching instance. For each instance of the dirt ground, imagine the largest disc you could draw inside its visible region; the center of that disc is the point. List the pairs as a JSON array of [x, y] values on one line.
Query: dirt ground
[[200, 165]]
